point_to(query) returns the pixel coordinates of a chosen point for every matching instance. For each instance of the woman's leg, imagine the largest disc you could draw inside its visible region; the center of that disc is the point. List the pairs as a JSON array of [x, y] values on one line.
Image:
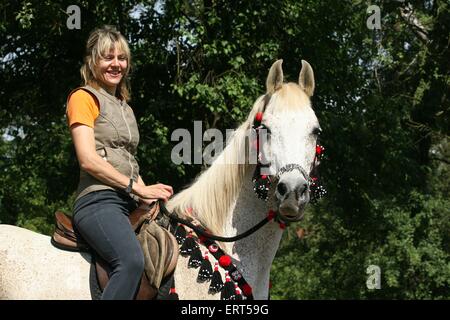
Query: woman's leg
[[101, 218]]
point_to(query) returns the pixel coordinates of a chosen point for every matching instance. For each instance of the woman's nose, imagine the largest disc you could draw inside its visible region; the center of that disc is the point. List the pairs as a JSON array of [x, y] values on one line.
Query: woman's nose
[[115, 61]]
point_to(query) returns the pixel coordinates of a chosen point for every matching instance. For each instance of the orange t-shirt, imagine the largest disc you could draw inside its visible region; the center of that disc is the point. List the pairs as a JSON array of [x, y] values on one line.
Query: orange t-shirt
[[82, 108]]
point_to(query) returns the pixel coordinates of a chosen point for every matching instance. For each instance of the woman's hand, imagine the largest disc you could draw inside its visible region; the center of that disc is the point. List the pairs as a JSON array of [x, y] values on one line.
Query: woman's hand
[[155, 191], [146, 203]]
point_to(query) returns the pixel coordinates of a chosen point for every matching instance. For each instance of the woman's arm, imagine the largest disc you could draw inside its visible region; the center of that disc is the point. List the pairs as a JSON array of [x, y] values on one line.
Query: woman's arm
[[84, 141], [140, 181]]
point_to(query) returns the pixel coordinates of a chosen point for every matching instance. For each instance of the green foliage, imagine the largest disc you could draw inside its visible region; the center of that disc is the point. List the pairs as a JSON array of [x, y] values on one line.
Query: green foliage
[[409, 242], [381, 97]]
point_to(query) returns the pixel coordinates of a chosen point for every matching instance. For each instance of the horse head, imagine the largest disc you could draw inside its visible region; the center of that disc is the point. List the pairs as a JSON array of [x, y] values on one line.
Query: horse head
[[288, 153]]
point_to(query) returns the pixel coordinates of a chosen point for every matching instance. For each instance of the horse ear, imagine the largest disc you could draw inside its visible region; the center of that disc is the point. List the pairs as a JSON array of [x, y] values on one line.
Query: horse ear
[[306, 78], [275, 77]]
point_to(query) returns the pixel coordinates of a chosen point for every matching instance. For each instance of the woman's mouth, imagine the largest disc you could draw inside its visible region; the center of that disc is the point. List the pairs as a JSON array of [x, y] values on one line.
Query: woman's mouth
[[114, 73]]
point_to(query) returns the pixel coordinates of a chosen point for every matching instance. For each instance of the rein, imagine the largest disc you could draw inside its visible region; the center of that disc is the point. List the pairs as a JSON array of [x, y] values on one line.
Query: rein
[[203, 232]]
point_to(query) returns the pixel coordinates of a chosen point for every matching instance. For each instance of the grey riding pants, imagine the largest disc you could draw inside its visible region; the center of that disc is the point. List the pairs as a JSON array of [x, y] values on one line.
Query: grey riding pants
[[101, 217]]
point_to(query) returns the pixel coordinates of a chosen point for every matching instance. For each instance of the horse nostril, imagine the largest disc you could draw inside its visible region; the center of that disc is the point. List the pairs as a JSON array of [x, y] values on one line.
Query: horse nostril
[[281, 188]]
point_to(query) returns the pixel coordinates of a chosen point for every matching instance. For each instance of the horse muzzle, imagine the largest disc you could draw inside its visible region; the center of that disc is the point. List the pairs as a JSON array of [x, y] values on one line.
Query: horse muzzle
[[292, 195]]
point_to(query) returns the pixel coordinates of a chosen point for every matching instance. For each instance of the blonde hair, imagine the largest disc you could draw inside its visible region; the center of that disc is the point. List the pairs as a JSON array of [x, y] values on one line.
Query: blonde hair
[[100, 42]]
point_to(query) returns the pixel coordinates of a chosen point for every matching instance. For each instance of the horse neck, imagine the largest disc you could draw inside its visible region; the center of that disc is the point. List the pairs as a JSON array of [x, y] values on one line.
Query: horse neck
[[212, 195], [254, 254]]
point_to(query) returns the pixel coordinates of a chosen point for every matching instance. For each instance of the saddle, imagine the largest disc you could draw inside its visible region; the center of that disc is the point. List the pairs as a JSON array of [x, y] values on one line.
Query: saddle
[[159, 246]]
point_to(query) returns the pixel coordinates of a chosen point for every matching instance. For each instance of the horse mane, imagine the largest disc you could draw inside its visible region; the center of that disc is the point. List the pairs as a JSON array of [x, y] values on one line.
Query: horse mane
[[215, 190]]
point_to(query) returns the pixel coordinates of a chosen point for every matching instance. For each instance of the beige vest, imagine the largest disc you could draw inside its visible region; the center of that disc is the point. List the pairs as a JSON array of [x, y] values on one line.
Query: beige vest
[[116, 140]]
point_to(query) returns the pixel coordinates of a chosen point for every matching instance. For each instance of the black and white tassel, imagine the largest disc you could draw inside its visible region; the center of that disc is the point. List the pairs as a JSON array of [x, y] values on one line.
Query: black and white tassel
[[188, 245], [180, 234], [196, 258], [228, 291], [206, 270], [216, 280]]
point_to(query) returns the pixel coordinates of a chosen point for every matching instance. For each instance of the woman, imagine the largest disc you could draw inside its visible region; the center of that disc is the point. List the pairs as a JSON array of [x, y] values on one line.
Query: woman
[[105, 135]]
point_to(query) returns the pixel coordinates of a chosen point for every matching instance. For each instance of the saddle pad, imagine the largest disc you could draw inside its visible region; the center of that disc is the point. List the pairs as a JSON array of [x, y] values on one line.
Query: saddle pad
[[160, 252]]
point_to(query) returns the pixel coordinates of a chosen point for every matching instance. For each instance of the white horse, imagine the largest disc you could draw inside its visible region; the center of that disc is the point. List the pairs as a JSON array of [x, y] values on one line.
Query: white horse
[[222, 198]]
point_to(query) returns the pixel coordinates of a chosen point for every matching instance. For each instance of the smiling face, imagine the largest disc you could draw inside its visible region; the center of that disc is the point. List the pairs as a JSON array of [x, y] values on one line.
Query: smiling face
[[107, 62], [111, 69]]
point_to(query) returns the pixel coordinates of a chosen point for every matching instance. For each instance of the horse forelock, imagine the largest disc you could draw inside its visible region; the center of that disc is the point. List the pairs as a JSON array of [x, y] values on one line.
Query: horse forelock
[[290, 97]]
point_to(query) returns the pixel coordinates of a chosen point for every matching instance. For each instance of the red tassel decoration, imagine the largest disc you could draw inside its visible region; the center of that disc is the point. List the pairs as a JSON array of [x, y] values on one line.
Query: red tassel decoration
[[173, 295], [319, 150], [216, 281], [271, 214], [224, 261], [238, 295], [258, 118]]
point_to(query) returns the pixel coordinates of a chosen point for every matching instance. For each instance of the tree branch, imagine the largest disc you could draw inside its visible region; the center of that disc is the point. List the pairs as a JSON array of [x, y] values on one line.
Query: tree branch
[[407, 13]]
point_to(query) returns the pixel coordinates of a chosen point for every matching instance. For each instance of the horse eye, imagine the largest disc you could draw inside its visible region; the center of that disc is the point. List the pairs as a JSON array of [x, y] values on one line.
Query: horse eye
[[317, 131]]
